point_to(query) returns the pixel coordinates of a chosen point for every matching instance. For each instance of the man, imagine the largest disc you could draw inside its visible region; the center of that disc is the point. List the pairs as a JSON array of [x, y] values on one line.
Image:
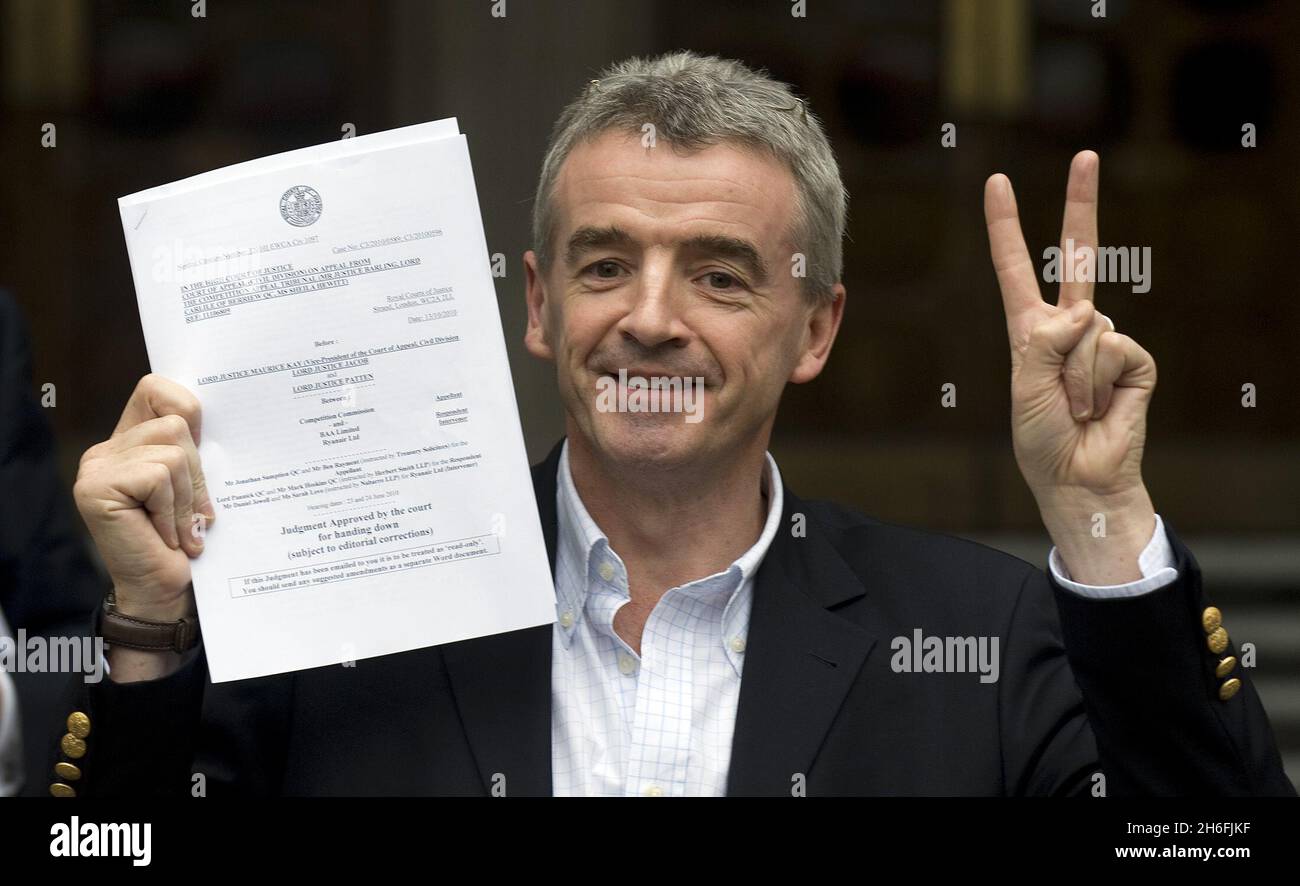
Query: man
[[677, 196], [48, 585]]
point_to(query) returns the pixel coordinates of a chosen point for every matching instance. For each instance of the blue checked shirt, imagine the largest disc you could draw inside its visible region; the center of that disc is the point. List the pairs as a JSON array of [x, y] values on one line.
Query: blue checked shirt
[[661, 723]]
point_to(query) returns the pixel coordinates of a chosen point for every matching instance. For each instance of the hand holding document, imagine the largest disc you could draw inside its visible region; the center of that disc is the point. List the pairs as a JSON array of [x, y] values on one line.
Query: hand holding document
[[333, 311]]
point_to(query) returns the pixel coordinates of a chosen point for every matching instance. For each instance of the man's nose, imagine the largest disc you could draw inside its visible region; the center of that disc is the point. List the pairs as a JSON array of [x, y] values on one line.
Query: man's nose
[[654, 317]]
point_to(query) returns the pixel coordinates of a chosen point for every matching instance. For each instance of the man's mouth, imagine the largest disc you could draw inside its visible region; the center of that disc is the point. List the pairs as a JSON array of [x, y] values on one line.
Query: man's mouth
[[631, 372], [645, 389]]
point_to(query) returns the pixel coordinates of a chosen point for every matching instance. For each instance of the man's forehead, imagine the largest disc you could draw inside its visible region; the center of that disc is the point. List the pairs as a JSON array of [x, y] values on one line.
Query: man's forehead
[[727, 184]]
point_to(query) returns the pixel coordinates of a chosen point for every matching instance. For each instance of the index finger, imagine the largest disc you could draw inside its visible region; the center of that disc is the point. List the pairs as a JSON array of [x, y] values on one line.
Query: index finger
[[1016, 275], [155, 396]]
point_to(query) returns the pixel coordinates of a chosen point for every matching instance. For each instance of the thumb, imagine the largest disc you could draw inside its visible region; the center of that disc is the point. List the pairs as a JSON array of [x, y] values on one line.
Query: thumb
[[1052, 340]]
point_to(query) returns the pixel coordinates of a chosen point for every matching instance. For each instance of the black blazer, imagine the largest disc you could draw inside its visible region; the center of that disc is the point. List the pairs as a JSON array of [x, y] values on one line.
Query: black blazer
[[48, 584], [1125, 687]]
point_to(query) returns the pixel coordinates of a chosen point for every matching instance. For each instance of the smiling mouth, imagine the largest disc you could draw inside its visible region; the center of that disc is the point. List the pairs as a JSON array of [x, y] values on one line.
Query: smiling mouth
[[640, 372]]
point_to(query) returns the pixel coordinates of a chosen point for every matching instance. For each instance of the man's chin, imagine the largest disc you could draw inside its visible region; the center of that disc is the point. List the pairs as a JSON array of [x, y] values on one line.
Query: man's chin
[[647, 440]]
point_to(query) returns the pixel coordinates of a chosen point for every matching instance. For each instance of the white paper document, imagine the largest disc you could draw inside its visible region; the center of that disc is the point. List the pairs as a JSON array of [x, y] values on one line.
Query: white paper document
[[334, 312]]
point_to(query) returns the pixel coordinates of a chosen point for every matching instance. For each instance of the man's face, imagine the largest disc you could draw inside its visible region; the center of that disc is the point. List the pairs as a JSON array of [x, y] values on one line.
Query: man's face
[[675, 265]]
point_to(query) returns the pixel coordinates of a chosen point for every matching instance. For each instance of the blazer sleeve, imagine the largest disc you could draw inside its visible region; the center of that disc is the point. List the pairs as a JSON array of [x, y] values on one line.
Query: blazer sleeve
[[1155, 705], [48, 582], [178, 736], [1047, 748]]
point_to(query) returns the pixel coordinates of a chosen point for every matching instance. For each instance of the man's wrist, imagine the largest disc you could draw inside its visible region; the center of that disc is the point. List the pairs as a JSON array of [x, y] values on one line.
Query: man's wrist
[[137, 605], [165, 628], [1099, 538]]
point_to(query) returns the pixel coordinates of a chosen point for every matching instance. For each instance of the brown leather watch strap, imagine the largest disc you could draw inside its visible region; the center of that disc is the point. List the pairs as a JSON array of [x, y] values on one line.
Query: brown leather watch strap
[[118, 629]]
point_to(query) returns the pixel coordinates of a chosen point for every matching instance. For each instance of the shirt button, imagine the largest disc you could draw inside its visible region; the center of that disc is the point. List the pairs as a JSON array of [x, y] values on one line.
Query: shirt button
[[626, 664], [566, 620], [737, 644], [654, 791], [607, 570]]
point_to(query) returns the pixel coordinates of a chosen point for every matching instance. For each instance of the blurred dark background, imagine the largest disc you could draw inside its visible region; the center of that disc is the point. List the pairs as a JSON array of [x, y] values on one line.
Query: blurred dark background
[[143, 93]]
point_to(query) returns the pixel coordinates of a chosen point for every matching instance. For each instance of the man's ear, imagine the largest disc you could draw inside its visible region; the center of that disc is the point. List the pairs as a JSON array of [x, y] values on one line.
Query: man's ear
[[535, 338], [823, 324]]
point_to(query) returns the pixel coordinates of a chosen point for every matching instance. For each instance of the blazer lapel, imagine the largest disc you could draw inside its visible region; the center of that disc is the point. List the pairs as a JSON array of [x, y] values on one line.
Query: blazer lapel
[[800, 659], [502, 683]]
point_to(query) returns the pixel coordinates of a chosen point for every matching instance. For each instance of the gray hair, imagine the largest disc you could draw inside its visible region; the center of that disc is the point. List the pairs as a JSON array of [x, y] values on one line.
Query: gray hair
[[696, 101]]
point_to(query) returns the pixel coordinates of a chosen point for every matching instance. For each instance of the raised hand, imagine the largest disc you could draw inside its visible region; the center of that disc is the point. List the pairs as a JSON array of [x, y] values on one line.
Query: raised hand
[[1079, 391], [139, 492]]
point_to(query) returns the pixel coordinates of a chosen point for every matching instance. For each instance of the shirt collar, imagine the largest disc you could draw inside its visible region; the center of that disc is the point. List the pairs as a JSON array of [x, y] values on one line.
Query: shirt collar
[[580, 540]]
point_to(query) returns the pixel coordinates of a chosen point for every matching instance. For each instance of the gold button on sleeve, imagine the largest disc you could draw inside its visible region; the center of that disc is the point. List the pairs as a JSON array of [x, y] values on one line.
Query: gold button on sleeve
[[72, 747], [1211, 618], [1229, 689], [58, 789], [1225, 666], [78, 724], [1217, 641], [67, 771]]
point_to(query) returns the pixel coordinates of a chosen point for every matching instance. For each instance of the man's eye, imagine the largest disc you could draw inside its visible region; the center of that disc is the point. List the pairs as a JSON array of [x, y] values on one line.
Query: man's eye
[[721, 280], [605, 270]]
